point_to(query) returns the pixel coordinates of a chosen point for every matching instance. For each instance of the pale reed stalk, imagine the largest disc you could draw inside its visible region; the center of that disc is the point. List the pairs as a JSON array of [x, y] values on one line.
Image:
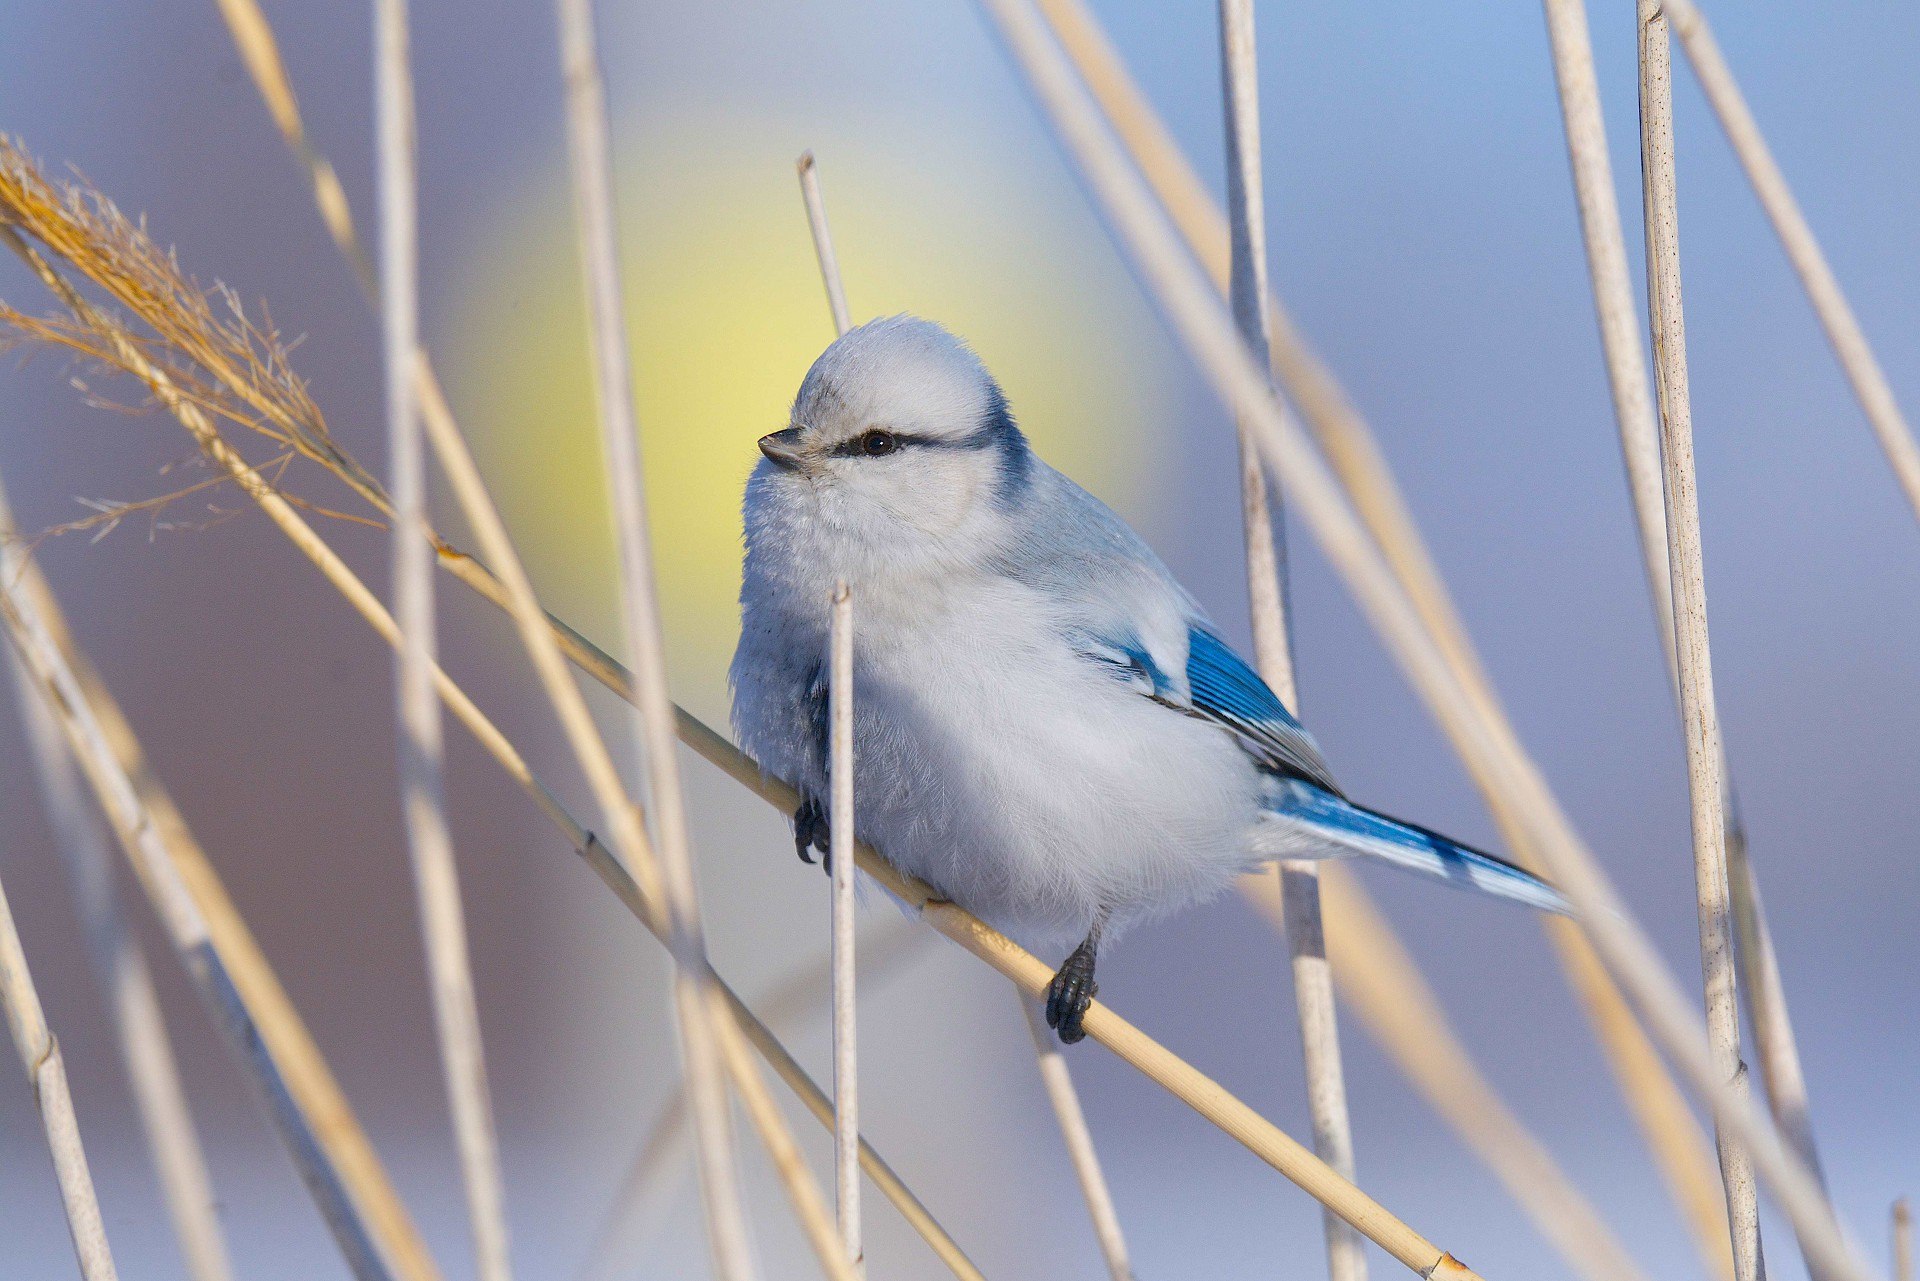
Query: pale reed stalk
[[1640, 448], [372, 1228], [1902, 1241], [1057, 1080], [823, 243], [1830, 304], [422, 756], [126, 984], [260, 53], [1195, 312], [1692, 652], [590, 155], [1383, 984], [844, 915], [1072, 1117], [1267, 596], [1666, 1119], [47, 1074]]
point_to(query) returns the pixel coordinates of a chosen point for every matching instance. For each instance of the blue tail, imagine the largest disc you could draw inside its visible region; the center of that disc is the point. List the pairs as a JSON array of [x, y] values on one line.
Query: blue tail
[[1353, 830]]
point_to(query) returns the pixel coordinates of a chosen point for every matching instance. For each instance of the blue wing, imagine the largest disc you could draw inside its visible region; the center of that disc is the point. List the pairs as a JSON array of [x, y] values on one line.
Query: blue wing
[[1225, 690], [1222, 689]]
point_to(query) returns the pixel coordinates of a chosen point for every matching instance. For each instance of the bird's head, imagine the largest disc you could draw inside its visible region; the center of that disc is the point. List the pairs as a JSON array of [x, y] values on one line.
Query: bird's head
[[898, 431]]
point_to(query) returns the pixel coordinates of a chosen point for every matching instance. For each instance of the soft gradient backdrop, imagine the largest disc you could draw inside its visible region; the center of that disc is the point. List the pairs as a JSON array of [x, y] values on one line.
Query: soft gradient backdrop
[[1422, 227]]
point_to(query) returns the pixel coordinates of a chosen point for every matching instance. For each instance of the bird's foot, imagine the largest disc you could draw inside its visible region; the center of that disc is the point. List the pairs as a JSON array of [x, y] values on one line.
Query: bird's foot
[[1070, 993], [810, 832]]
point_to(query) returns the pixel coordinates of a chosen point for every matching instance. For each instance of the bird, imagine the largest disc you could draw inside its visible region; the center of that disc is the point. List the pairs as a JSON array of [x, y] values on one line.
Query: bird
[[1047, 729]]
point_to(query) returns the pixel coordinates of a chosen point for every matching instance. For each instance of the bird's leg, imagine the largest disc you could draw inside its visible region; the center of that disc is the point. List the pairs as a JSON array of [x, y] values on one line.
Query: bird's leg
[[1073, 988], [810, 829]]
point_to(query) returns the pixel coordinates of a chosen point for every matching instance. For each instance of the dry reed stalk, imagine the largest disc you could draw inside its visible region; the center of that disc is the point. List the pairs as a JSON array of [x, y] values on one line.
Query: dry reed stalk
[[823, 243], [367, 1220], [253, 38], [844, 914], [1662, 1112], [1842, 327], [590, 154], [1902, 1241], [1692, 651], [1640, 447], [126, 984], [1059, 1083], [1633, 404], [1487, 742], [47, 1075], [1057, 1079], [1382, 982], [1267, 597], [422, 755]]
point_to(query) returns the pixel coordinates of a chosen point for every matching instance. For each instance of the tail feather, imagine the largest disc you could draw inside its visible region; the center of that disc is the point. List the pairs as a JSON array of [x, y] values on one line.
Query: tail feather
[[1350, 829]]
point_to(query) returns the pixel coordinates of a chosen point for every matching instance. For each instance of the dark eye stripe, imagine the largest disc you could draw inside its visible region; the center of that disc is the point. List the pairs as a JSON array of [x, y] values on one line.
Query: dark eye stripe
[[857, 447]]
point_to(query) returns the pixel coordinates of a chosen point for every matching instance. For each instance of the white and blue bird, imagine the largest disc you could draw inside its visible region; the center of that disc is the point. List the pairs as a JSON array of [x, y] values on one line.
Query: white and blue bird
[[1047, 729]]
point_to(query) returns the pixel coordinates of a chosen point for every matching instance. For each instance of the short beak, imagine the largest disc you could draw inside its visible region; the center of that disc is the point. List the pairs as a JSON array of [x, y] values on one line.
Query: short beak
[[783, 447]]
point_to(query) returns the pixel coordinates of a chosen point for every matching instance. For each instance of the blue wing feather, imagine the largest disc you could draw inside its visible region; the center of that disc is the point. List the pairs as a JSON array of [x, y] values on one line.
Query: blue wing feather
[[1225, 690]]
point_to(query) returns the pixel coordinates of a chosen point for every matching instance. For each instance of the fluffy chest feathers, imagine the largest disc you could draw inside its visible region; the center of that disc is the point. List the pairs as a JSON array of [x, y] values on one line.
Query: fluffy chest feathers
[[999, 753]]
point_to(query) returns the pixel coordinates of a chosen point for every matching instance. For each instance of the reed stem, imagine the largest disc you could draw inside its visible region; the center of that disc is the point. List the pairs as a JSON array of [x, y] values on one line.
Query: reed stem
[[126, 984], [1267, 595], [1057, 1079], [590, 154], [422, 756], [1849, 340], [840, 826], [1692, 652], [47, 1073]]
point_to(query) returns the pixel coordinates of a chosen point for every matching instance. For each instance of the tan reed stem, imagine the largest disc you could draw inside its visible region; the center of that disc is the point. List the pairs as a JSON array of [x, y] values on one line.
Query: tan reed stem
[[1640, 447], [1384, 985], [126, 983], [1057, 1079], [840, 820], [1692, 652], [422, 756], [334, 1160], [1267, 595], [47, 1074], [1902, 1241], [823, 243], [1633, 403], [253, 37], [1843, 330], [590, 153], [1655, 1100], [1195, 311], [1059, 1083]]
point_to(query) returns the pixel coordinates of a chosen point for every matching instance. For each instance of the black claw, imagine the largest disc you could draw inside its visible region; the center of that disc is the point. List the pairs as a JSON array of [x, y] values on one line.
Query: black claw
[[1070, 993], [809, 829]]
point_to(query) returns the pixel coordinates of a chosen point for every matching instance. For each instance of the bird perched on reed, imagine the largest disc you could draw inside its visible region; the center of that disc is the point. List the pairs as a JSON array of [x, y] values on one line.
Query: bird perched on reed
[[1047, 729]]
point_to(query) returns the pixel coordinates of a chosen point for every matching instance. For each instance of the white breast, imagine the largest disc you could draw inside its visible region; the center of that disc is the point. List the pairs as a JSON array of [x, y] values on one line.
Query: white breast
[[1024, 781]]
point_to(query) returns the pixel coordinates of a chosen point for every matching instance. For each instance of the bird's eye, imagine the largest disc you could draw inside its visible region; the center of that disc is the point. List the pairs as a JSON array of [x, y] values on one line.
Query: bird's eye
[[878, 443]]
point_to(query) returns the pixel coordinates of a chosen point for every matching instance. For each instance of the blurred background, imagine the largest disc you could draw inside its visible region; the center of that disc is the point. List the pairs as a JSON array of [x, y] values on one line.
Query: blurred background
[[1423, 229]]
